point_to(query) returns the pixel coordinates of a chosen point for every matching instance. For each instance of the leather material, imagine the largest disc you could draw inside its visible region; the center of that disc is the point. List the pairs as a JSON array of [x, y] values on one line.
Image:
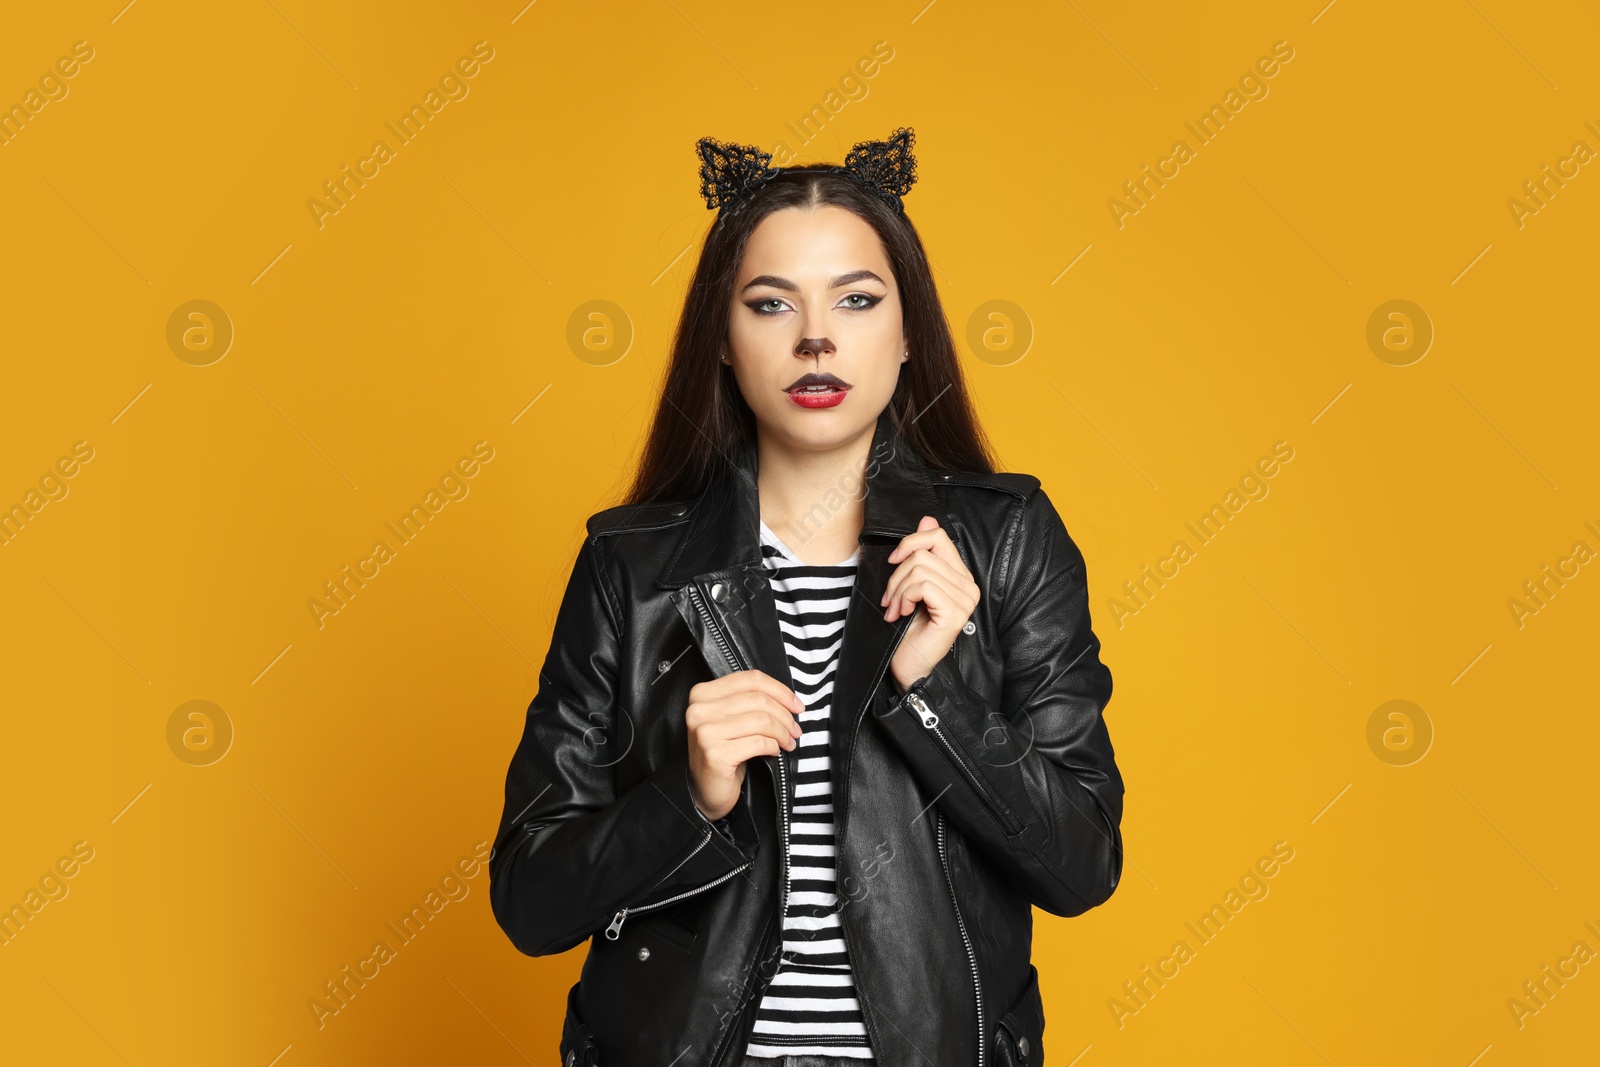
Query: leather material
[[802, 1061], [1020, 1040], [992, 782]]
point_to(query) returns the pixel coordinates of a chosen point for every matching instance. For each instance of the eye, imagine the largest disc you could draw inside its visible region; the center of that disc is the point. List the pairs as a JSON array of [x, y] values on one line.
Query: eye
[[760, 306], [868, 297]]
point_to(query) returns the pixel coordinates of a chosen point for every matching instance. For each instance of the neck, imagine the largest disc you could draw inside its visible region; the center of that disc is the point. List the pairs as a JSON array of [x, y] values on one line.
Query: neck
[[813, 498]]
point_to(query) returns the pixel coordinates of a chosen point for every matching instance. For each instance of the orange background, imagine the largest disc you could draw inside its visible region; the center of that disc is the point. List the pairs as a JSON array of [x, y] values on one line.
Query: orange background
[[1163, 357]]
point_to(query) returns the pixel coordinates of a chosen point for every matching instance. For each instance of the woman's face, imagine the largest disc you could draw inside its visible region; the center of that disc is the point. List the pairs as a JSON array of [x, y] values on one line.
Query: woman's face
[[815, 295]]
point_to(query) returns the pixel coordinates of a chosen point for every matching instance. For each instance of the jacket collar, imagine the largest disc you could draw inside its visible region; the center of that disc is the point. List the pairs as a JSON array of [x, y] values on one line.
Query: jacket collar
[[724, 531]]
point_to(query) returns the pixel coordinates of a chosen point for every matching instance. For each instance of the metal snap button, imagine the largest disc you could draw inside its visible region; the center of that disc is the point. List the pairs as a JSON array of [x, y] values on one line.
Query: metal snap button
[[719, 593], [664, 666], [1022, 1046], [970, 627], [644, 954]]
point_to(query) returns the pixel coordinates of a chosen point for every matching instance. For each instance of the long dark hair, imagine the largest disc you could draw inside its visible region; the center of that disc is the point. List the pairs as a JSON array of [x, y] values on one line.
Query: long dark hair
[[702, 420]]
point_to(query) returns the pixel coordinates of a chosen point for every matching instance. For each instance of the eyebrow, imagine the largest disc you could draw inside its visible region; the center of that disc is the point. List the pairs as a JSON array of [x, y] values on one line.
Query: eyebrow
[[784, 283]]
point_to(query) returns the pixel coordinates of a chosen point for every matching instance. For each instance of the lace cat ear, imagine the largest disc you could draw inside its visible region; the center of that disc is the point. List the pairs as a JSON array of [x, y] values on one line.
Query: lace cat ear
[[728, 171], [887, 166]]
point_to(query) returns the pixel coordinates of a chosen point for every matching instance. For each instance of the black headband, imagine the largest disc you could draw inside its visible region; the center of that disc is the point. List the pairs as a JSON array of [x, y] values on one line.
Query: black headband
[[729, 171]]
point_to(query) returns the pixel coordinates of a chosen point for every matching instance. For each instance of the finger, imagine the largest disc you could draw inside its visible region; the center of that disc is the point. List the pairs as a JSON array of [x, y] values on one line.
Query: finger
[[941, 549], [931, 536], [934, 593], [955, 599], [739, 709], [921, 566], [766, 683], [724, 757], [927, 592], [922, 539], [743, 749], [757, 721], [901, 573], [913, 592], [747, 681], [711, 712], [740, 682]]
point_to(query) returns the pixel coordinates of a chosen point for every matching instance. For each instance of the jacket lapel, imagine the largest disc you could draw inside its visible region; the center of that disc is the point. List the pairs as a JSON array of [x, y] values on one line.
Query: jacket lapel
[[899, 493]]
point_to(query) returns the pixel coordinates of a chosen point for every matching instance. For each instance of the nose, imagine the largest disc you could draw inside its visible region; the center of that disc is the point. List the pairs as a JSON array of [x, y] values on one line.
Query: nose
[[813, 346]]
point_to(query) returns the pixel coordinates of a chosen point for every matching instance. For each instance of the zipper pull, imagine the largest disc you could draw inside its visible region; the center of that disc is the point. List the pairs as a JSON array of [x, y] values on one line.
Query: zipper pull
[[614, 931], [925, 713]]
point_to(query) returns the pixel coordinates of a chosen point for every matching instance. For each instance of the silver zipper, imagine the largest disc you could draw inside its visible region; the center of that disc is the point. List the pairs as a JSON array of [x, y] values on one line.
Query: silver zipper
[[728, 651], [930, 720], [737, 663], [972, 959], [614, 931]]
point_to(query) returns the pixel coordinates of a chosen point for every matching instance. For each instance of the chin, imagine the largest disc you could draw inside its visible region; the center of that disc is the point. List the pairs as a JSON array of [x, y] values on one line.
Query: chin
[[823, 429]]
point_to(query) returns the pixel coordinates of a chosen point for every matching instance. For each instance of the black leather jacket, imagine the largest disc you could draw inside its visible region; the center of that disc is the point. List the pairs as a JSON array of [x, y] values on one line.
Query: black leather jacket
[[987, 789]]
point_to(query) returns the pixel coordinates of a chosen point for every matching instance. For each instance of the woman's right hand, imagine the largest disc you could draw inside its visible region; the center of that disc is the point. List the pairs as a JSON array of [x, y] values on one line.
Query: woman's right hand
[[730, 720]]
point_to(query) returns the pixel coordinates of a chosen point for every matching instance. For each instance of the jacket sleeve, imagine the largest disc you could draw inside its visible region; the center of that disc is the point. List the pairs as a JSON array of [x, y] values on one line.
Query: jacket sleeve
[[1033, 782], [571, 851]]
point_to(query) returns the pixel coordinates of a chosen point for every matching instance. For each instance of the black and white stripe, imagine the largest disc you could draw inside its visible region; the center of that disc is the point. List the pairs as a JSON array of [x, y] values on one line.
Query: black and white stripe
[[811, 1008]]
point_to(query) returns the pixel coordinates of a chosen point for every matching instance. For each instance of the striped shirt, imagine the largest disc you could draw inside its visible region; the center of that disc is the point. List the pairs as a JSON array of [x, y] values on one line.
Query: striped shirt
[[811, 1008]]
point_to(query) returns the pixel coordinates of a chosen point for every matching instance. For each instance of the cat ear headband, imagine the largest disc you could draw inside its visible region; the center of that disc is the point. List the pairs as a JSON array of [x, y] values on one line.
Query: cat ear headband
[[729, 171]]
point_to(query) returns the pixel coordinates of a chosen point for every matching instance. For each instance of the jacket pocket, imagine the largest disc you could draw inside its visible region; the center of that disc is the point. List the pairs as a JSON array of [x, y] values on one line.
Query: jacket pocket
[[1019, 1039], [578, 1047], [670, 928]]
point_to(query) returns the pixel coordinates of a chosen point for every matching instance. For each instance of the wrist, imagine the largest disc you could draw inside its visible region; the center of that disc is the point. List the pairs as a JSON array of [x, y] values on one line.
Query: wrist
[[903, 686], [700, 809]]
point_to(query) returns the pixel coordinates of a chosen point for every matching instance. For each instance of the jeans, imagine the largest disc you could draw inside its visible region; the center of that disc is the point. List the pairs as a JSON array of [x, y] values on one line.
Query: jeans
[[802, 1061]]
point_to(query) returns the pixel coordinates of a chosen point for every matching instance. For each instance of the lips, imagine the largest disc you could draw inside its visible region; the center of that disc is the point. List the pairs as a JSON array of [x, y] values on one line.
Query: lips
[[818, 391]]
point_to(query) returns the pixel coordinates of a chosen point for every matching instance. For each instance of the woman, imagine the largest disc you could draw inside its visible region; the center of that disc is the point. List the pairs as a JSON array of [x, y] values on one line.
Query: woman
[[820, 721]]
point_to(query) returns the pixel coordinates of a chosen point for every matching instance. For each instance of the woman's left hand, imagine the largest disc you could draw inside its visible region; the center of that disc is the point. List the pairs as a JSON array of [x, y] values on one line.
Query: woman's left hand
[[931, 573]]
